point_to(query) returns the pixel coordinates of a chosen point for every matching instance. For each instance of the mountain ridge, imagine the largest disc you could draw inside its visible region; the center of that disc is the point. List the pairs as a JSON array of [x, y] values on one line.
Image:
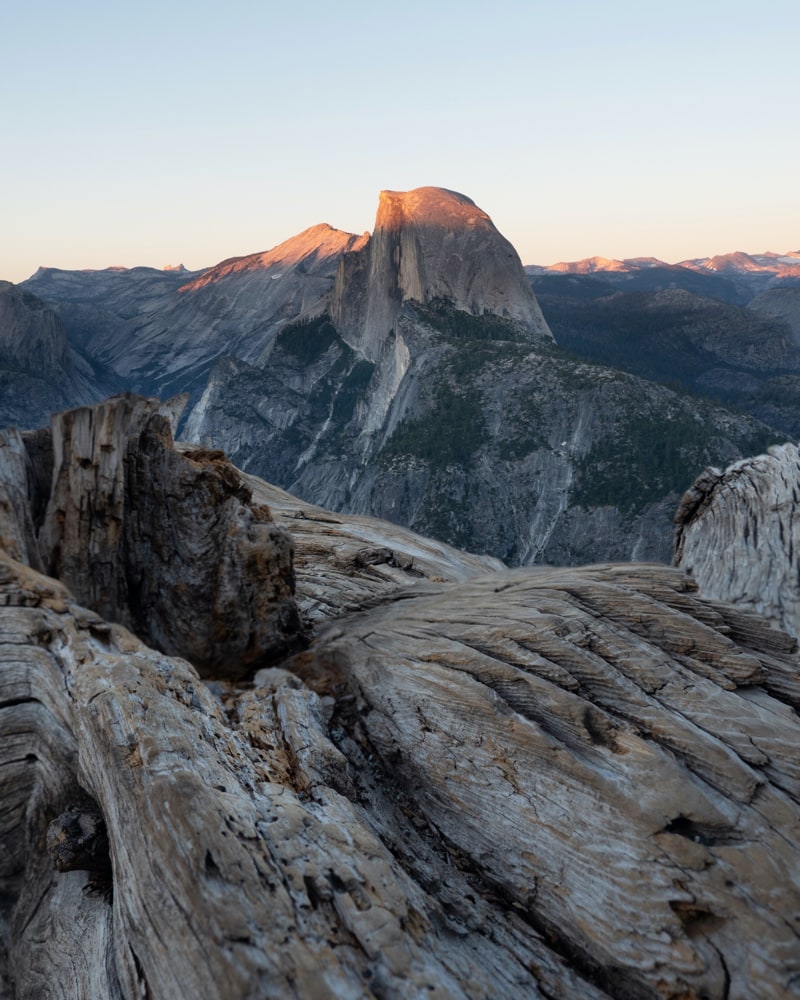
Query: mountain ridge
[[410, 373], [739, 276]]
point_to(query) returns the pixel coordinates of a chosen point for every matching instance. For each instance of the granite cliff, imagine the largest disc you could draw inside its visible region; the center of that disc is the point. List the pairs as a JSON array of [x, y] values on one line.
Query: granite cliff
[[40, 371], [430, 245], [574, 783]]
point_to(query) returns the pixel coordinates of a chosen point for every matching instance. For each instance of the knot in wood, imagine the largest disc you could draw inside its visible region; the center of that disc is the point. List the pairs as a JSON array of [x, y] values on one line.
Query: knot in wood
[[77, 841]]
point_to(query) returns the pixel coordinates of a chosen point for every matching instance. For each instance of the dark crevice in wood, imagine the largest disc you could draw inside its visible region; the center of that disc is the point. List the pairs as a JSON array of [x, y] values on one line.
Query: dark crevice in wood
[[145, 991], [701, 833], [77, 840]]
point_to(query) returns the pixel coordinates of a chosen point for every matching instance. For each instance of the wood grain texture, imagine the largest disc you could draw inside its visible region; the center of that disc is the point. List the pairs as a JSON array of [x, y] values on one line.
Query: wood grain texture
[[558, 783], [474, 782], [738, 534]]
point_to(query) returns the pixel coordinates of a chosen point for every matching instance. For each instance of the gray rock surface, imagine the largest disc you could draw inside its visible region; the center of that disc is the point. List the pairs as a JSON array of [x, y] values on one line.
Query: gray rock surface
[[39, 370], [161, 331], [343, 561], [738, 534], [497, 446], [17, 530], [560, 783], [568, 783], [429, 245]]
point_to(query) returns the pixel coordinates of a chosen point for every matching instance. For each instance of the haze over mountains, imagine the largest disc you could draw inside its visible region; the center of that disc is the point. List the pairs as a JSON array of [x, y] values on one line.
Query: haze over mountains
[[734, 277], [413, 374]]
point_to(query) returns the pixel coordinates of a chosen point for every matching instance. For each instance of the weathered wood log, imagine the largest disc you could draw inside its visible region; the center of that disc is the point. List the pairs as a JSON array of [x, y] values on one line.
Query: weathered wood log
[[571, 783], [168, 544], [738, 534], [475, 782]]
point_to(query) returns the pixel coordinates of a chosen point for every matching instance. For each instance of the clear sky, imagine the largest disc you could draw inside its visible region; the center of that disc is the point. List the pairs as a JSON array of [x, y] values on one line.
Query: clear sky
[[166, 132]]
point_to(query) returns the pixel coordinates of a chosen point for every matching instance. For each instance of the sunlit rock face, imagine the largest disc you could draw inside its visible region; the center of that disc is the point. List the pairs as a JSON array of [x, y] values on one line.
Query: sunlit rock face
[[161, 331], [408, 374], [738, 534], [430, 244]]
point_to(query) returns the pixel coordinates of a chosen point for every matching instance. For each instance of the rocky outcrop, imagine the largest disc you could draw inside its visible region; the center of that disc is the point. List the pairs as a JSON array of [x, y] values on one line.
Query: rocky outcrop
[[343, 562], [17, 531], [430, 245], [738, 534], [409, 375], [167, 544]]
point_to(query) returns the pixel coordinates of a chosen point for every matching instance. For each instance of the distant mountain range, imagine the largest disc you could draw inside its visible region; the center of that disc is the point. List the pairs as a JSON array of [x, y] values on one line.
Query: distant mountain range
[[419, 374], [727, 328], [733, 277]]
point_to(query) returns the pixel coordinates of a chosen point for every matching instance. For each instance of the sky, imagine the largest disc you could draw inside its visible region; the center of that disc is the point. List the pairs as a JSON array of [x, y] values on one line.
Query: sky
[[155, 133]]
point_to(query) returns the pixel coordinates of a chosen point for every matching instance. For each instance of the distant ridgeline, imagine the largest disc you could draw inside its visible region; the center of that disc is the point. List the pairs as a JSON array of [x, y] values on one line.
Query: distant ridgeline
[[411, 374]]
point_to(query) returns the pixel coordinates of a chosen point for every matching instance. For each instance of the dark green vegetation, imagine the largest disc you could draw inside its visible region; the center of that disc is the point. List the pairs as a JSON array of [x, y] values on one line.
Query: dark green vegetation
[[441, 315], [449, 433], [723, 352], [307, 340], [647, 457], [499, 428]]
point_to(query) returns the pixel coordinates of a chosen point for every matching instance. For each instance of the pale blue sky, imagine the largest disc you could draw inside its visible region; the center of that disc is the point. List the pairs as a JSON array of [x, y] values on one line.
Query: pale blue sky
[[157, 133]]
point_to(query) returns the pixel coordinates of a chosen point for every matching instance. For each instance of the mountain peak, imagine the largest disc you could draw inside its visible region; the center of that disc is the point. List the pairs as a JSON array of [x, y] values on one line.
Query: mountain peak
[[430, 243], [432, 206], [317, 245]]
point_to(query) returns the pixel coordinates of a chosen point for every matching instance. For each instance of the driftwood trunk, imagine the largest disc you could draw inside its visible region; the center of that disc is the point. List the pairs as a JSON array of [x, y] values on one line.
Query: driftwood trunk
[[472, 782]]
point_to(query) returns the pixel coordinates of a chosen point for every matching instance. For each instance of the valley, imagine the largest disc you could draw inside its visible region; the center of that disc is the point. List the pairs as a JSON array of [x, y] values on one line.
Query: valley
[[421, 374]]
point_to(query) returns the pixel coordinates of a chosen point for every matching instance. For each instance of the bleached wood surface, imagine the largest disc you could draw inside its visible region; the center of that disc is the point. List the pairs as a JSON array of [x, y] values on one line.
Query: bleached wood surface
[[475, 782], [557, 783], [738, 534]]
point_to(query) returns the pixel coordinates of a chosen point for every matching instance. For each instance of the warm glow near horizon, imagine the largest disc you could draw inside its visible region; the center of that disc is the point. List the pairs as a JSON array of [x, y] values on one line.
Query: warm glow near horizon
[[156, 135]]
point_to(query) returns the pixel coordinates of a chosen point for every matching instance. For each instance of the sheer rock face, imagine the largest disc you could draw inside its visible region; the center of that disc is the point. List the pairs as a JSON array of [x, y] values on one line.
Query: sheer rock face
[[39, 370], [430, 244], [167, 544], [738, 534], [82, 540]]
